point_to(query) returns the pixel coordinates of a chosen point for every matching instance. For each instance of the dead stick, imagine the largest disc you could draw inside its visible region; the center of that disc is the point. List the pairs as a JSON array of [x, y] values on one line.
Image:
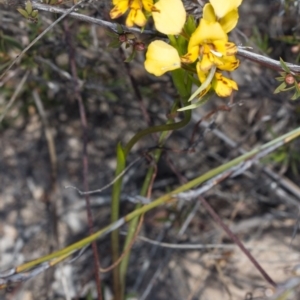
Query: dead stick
[[236, 240]]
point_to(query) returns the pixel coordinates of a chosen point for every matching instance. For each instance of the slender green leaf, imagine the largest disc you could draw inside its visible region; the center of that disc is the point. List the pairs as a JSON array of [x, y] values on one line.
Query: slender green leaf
[[296, 96], [28, 7], [297, 87], [34, 13], [120, 29], [205, 84], [290, 88], [190, 25], [111, 34], [10, 41], [114, 44], [284, 66], [280, 88], [23, 12], [131, 56], [200, 102]]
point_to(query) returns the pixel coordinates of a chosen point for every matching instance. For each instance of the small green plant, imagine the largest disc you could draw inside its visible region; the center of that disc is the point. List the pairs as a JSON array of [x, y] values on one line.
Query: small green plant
[[261, 40], [290, 81], [287, 158], [128, 39], [29, 13]]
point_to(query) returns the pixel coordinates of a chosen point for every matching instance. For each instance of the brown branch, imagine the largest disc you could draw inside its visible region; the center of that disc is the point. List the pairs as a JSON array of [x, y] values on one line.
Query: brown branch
[[136, 90], [266, 61], [113, 26], [260, 59], [84, 125], [236, 240]]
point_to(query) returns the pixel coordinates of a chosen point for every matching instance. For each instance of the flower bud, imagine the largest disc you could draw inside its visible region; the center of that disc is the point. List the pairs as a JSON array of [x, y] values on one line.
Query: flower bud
[[122, 38], [289, 79], [295, 49], [139, 46]]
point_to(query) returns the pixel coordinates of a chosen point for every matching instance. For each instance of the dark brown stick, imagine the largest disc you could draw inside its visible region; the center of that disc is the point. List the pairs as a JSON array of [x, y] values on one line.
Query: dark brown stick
[[236, 240], [84, 125]]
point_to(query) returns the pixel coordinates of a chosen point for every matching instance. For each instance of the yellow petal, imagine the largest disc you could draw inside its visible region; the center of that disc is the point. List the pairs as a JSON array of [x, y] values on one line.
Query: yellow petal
[[147, 4], [229, 21], [225, 48], [223, 7], [169, 16], [191, 56], [230, 63], [130, 18], [207, 32], [217, 60], [201, 74], [223, 86], [119, 9], [210, 60], [135, 4], [136, 17], [160, 58], [209, 13], [206, 63], [140, 18], [116, 2]]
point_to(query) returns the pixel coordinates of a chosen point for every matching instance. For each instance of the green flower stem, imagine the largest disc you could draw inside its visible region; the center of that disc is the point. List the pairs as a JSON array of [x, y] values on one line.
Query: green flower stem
[[286, 138], [115, 207], [134, 223], [154, 129], [117, 191], [184, 90]]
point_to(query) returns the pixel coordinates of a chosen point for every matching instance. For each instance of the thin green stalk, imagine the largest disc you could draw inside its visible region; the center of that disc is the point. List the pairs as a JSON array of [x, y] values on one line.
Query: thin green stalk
[[115, 207], [286, 138], [150, 130], [183, 88], [122, 155], [134, 223]]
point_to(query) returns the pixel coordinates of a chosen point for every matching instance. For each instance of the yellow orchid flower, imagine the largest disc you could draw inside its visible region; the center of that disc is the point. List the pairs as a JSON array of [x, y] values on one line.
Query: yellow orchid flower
[[218, 54], [136, 14], [209, 43], [223, 11], [223, 86], [206, 33], [161, 58], [169, 16]]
